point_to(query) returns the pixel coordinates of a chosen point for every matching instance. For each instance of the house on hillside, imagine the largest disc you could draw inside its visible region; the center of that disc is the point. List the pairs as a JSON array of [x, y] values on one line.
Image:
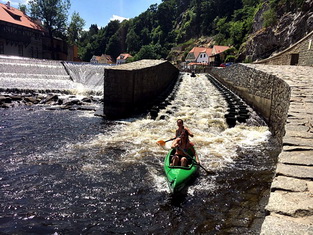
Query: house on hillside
[[199, 56], [103, 59], [22, 36], [121, 59], [218, 54]]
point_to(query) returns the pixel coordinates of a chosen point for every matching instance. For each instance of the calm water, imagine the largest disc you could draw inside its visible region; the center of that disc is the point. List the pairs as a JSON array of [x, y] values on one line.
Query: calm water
[[65, 172]]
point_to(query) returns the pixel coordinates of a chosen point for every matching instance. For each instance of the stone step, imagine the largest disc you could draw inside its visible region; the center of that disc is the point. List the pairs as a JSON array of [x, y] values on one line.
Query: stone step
[[304, 172]]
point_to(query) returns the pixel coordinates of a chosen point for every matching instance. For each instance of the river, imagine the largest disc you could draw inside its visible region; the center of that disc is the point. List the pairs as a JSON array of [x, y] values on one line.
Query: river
[[71, 172]]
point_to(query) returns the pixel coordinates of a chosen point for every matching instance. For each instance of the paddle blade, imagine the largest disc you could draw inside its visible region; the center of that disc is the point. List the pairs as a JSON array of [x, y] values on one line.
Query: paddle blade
[[161, 142]]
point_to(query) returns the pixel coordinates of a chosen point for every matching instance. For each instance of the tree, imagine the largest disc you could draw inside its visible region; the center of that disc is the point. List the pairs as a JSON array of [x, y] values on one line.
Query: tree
[[147, 52], [133, 41], [22, 8], [113, 47], [75, 28], [53, 14]]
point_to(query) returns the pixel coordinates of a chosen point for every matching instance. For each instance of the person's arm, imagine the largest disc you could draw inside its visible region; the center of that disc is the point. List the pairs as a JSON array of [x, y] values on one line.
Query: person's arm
[[175, 143], [189, 132]]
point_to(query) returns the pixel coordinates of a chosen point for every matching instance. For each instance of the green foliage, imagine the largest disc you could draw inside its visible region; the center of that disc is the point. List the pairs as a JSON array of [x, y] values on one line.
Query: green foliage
[[147, 52], [23, 8], [230, 58], [53, 14], [269, 17], [75, 28], [173, 22], [233, 31]]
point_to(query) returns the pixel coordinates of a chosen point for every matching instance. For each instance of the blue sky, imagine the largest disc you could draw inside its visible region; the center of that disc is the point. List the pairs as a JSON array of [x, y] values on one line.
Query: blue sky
[[100, 12]]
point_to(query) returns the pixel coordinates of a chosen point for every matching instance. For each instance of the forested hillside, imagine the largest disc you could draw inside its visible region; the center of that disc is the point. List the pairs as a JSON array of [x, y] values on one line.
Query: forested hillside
[[174, 23]]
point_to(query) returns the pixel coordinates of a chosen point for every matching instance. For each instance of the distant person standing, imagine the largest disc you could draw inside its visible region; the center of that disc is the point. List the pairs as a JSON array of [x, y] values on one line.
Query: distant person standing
[[181, 128]]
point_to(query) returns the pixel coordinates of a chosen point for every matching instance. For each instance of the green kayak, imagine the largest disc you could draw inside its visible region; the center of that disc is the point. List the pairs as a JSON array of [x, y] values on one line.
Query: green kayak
[[178, 176]]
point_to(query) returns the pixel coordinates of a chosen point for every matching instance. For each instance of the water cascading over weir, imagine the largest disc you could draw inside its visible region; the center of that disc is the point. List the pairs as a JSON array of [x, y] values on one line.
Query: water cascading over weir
[[20, 74]]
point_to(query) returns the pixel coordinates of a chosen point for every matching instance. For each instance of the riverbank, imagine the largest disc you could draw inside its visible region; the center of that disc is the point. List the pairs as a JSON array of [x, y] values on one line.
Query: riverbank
[[290, 206]]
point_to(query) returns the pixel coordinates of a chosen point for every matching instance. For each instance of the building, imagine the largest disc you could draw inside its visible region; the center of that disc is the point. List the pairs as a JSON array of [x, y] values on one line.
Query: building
[[22, 36], [19, 35], [121, 59], [103, 59], [199, 55], [218, 54], [205, 56]]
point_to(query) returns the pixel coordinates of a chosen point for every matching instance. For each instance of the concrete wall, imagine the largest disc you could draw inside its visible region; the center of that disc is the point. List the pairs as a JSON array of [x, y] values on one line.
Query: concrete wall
[[266, 93], [301, 53], [129, 87]]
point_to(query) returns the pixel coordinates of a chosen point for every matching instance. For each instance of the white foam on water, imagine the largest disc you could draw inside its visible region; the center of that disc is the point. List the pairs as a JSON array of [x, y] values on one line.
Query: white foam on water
[[202, 108]]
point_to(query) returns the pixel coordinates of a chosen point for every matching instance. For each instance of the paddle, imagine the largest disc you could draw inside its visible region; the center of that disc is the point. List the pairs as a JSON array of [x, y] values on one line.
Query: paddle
[[162, 142], [195, 162]]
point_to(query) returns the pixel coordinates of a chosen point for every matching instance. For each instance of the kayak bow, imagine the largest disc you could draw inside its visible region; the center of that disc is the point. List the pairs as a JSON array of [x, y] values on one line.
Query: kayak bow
[[178, 177]]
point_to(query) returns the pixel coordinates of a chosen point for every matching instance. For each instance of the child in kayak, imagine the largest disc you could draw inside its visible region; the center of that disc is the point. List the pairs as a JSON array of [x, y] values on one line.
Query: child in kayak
[[184, 150]]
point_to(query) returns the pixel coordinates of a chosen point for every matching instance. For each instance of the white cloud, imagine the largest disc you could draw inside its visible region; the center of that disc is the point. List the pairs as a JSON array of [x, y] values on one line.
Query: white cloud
[[119, 18]]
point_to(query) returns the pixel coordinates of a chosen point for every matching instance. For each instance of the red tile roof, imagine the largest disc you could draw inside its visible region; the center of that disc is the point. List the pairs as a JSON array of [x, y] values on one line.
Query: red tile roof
[[14, 16], [123, 56], [197, 50], [219, 49]]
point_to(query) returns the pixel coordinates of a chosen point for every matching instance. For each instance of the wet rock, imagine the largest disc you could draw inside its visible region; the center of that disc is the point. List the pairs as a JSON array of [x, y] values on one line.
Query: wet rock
[[49, 99], [73, 102], [5, 105], [31, 99], [54, 108], [87, 99], [87, 108], [15, 97], [5, 99]]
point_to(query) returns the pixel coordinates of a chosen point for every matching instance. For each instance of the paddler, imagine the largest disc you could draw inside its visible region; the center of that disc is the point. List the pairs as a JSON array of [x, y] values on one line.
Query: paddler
[[184, 150], [181, 127]]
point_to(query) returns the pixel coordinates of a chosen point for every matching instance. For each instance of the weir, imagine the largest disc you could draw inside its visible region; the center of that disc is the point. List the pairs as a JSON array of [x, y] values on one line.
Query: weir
[[35, 75], [132, 87]]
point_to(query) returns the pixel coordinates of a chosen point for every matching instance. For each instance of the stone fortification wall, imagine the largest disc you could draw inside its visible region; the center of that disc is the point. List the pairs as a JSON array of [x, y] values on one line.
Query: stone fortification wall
[[129, 87], [301, 53], [266, 93]]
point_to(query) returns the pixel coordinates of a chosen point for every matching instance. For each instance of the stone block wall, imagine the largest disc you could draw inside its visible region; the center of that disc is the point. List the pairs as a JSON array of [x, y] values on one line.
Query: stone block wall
[[303, 49], [129, 87], [266, 93]]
